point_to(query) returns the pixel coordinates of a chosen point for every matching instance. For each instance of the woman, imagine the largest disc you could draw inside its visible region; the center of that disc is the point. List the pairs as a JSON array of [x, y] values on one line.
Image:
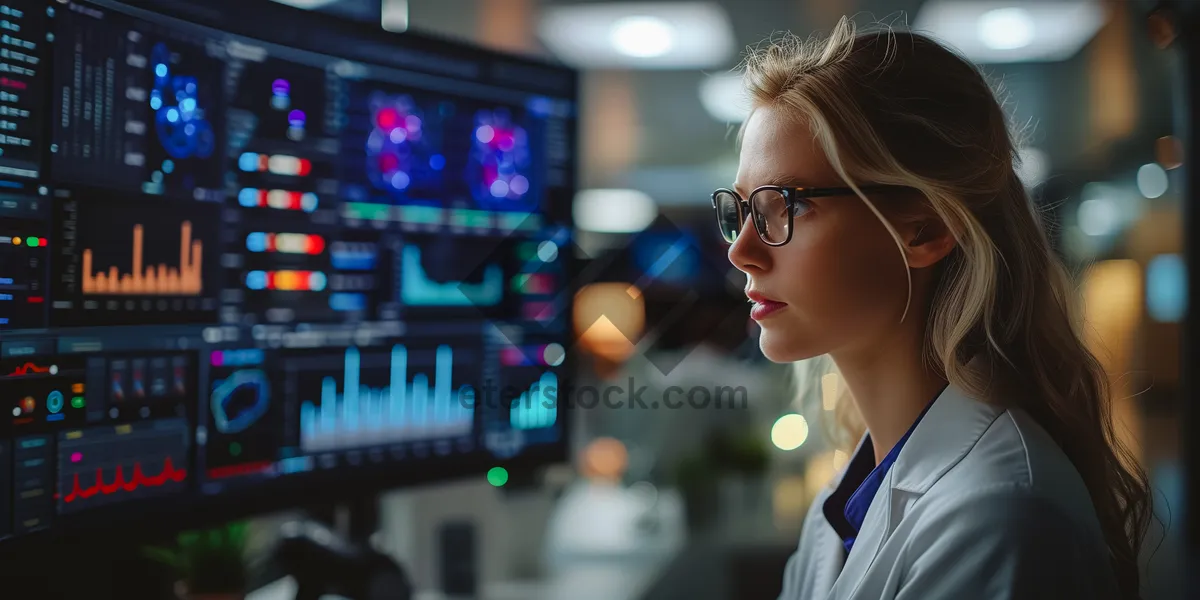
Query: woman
[[888, 231]]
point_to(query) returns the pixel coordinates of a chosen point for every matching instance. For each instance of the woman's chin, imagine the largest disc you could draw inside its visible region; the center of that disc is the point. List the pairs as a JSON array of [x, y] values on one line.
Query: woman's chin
[[779, 347]]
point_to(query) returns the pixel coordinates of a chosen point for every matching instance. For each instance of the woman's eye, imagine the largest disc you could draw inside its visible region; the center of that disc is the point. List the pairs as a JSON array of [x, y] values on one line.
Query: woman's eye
[[799, 207]]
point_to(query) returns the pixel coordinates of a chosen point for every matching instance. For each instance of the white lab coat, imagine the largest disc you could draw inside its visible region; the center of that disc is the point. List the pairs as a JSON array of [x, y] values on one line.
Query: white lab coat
[[981, 504]]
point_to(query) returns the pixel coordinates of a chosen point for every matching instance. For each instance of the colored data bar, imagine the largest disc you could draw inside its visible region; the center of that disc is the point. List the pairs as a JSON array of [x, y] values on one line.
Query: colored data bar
[[432, 215], [351, 256], [534, 254], [367, 211], [285, 243], [237, 358], [287, 281], [347, 302], [530, 356], [528, 251], [154, 280], [278, 199], [461, 217], [419, 215], [517, 221], [539, 311], [533, 283], [32, 242], [276, 164]]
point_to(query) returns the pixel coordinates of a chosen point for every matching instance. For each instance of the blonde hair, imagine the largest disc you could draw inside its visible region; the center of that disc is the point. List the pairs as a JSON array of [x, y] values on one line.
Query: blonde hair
[[897, 108]]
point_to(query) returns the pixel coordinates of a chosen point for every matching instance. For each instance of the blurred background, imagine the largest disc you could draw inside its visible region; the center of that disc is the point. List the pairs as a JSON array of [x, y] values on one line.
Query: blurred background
[[1095, 88], [706, 500]]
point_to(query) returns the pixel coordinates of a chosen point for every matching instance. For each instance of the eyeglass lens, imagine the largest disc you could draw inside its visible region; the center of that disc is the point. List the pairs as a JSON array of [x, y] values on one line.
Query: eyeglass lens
[[729, 217], [768, 208]]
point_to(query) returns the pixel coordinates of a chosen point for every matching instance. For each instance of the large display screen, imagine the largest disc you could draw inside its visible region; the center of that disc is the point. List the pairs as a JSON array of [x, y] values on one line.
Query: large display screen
[[231, 260]]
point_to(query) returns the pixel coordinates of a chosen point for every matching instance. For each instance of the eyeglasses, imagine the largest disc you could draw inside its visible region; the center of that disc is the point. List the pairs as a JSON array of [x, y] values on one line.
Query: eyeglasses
[[773, 209]]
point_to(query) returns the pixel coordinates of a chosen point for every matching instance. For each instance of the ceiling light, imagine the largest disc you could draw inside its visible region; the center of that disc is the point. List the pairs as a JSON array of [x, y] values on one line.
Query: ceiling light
[[1006, 28], [1152, 180], [613, 210], [656, 35], [642, 37], [724, 97], [999, 31]]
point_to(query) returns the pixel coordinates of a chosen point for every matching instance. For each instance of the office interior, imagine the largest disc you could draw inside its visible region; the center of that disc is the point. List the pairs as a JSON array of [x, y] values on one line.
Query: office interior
[[285, 286]]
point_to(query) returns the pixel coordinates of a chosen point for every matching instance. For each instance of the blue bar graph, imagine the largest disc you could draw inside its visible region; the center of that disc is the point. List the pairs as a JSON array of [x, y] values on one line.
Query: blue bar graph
[[536, 408], [417, 289], [360, 415]]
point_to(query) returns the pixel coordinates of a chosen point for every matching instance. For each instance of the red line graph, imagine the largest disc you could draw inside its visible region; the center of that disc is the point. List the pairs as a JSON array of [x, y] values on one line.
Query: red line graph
[[138, 480], [28, 368]]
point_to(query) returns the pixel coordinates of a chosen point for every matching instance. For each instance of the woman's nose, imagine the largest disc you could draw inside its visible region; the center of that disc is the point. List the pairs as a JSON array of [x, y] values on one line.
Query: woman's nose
[[748, 253]]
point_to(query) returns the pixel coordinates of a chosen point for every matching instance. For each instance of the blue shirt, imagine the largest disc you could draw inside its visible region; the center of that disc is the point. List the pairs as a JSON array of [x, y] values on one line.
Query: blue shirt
[[846, 508]]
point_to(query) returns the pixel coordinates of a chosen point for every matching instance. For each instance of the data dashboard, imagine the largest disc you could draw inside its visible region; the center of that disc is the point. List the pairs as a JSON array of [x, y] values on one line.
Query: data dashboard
[[236, 251]]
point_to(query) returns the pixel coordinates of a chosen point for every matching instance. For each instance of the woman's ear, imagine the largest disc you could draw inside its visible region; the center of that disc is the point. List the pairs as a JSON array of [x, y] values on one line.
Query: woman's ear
[[927, 242]]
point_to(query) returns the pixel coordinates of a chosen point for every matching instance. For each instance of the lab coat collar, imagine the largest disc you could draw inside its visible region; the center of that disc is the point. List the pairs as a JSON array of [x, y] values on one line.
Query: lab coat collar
[[947, 432]]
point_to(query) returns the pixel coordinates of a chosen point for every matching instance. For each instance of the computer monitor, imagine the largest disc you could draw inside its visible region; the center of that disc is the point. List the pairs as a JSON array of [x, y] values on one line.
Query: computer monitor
[[253, 257]]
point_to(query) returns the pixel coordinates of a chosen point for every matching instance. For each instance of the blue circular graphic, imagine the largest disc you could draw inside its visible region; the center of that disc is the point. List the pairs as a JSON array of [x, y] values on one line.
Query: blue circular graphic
[[54, 402]]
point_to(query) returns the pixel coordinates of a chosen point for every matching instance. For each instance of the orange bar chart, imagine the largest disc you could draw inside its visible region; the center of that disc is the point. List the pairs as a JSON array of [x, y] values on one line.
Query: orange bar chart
[[150, 280]]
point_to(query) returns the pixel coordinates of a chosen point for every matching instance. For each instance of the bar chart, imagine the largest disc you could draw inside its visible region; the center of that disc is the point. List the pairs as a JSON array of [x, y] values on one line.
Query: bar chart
[[381, 409], [184, 280], [130, 259], [536, 408]]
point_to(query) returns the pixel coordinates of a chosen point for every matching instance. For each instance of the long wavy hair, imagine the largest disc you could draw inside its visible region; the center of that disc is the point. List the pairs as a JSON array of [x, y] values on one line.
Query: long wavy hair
[[891, 107]]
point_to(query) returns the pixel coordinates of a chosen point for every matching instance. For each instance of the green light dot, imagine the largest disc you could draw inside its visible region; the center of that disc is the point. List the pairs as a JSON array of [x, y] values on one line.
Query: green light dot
[[235, 449], [77, 402], [497, 476]]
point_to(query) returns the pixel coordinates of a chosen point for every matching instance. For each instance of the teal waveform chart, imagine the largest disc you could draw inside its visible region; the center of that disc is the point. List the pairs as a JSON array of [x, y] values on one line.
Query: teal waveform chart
[[417, 288], [353, 414], [536, 408]]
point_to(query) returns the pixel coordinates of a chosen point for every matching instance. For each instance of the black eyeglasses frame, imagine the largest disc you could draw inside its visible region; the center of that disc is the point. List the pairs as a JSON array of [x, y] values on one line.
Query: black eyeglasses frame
[[790, 195]]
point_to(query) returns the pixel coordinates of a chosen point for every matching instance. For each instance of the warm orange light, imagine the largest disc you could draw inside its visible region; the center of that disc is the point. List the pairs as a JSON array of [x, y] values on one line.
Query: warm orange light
[[1112, 77], [1113, 299], [609, 319], [1168, 151], [605, 459], [829, 390], [789, 501], [1112, 295]]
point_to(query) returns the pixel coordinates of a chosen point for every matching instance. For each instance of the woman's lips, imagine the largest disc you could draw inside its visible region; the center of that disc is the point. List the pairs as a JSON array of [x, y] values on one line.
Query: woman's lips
[[763, 306], [766, 308]]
